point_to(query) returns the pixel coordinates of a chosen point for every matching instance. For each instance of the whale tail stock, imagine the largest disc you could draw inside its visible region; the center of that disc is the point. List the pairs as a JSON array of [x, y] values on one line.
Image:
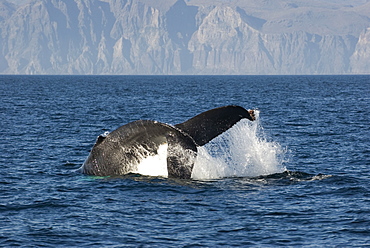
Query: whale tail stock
[[120, 151]]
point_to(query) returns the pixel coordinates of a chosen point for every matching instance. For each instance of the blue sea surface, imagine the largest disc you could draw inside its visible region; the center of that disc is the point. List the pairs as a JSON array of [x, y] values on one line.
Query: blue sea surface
[[50, 123]]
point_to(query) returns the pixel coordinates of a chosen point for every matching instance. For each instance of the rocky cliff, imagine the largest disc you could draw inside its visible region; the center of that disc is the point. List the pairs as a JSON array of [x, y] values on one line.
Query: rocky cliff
[[178, 37]]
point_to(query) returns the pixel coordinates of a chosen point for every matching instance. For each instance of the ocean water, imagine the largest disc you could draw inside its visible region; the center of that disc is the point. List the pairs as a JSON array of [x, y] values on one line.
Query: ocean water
[[299, 176]]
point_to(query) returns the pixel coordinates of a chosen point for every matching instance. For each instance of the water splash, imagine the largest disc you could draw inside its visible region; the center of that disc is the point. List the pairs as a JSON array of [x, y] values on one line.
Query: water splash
[[242, 151], [154, 165]]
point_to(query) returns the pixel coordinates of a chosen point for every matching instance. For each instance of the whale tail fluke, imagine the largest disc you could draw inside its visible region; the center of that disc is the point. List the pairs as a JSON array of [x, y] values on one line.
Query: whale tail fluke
[[208, 125]]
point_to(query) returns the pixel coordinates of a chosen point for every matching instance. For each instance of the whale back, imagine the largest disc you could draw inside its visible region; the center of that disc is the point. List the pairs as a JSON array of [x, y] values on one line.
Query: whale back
[[122, 150], [208, 125]]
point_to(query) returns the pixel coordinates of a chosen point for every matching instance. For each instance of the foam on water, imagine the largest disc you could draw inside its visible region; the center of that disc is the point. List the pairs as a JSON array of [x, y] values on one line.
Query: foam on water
[[242, 151]]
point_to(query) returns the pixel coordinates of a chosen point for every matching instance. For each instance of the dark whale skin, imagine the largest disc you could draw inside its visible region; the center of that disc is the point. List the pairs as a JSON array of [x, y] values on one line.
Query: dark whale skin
[[123, 149]]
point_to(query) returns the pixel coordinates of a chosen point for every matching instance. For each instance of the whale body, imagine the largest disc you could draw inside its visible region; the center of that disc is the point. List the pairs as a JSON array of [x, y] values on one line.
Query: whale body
[[119, 152]]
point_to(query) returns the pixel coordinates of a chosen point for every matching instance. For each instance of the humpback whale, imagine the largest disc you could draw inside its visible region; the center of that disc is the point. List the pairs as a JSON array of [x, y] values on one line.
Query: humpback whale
[[120, 151]]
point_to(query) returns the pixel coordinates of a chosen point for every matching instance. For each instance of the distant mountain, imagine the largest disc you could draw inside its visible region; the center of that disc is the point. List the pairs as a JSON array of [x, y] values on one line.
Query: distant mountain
[[6, 10], [185, 37]]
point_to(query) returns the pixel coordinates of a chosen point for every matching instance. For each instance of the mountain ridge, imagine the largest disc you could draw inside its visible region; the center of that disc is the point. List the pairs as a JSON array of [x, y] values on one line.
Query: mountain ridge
[[184, 37]]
